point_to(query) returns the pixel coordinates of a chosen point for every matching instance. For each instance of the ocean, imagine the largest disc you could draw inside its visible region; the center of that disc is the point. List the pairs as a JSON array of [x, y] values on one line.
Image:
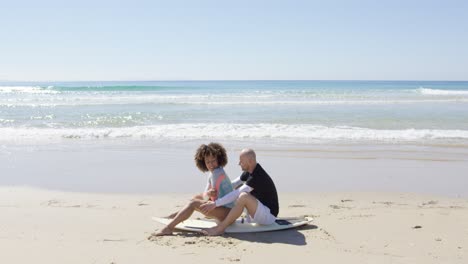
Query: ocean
[[272, 112], [312, 136]]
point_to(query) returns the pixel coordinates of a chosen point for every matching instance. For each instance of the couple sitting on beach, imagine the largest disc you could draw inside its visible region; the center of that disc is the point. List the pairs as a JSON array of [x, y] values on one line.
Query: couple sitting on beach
[[225, 200]]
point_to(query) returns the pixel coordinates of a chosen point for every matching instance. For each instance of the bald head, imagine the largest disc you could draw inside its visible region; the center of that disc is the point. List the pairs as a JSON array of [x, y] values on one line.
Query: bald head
[[250, 154], [248, 160]]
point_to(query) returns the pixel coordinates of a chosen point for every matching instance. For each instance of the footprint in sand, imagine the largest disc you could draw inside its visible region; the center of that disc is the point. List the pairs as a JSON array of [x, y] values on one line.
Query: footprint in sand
[[334, 206], [296, 206], [430, 203], [58, 203]]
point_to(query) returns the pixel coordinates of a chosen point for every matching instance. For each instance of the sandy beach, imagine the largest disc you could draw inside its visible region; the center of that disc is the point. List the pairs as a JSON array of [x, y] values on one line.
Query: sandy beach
[[40, 226], [357, 111], [370, 205]]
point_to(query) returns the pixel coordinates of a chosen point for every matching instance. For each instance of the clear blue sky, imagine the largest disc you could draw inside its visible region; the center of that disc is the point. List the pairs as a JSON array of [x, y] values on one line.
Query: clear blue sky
[[232, 40]]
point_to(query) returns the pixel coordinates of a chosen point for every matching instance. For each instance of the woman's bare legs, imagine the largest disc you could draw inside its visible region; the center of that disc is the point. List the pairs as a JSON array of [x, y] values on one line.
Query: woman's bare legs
[[196, 197], [219, 213]]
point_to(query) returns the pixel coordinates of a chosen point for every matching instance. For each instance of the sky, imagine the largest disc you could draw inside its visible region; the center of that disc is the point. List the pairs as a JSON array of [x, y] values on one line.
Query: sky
[[233, 40]]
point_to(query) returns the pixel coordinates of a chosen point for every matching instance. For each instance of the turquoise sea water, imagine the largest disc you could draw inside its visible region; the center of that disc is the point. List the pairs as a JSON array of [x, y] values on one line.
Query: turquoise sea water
[[421, 112]]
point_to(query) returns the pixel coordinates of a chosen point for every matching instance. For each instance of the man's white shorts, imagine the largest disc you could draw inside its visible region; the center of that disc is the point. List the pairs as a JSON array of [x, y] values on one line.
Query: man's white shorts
[[262, 215]]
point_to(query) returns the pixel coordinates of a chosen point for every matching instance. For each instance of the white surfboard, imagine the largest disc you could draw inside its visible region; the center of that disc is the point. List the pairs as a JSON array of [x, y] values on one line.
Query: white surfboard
[[197, 225]]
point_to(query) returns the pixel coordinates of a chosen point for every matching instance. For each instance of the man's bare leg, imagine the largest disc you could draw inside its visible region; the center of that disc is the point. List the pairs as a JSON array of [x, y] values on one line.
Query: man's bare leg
[[245, 200], [219, 213]]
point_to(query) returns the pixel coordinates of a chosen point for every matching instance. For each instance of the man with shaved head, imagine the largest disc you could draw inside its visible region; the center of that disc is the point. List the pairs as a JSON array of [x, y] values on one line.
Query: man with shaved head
[[254, 190]]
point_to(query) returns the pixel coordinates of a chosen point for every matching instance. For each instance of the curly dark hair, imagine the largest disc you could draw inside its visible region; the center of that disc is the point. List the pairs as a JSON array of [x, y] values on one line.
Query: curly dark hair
[[212, 149]]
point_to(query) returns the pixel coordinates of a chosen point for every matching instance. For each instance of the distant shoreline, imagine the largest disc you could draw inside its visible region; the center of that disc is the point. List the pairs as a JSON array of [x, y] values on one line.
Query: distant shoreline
[[222, 80]]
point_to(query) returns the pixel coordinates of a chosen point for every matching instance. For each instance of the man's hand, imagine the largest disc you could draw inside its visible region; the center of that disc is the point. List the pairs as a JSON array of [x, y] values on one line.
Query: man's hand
[[207, 207]]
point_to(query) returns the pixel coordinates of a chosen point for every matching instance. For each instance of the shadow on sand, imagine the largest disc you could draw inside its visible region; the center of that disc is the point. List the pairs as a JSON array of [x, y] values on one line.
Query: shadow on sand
[[289, 236]]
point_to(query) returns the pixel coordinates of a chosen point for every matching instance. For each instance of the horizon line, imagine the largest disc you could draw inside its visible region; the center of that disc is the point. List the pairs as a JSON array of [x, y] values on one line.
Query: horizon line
[[236, 80]]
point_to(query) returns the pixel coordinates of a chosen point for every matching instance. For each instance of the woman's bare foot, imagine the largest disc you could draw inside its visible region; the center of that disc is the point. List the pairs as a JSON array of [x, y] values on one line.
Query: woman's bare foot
[[214, 231], [166, 231]]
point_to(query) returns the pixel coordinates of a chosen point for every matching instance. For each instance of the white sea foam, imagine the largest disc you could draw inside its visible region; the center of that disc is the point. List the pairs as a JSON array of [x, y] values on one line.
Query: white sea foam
[[27, 90], [427, 91], [6, 121], [296, 133], [197, 100], [36, 96]]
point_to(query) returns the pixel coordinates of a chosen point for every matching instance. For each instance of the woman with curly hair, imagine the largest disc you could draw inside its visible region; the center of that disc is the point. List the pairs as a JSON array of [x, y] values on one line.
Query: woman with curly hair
[[208, 158]]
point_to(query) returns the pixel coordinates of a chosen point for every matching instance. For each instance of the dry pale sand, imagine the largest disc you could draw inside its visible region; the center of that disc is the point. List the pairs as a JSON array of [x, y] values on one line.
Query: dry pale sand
[[38, 226]]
